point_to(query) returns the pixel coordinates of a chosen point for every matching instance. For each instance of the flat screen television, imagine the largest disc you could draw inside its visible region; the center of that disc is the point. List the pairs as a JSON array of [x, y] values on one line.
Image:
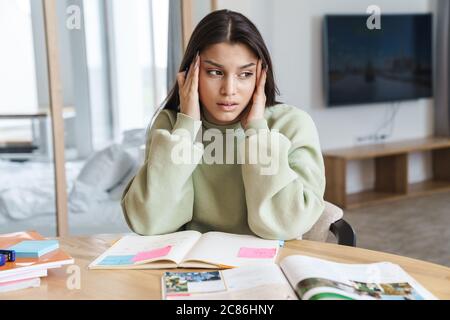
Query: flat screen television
[[390, 64]]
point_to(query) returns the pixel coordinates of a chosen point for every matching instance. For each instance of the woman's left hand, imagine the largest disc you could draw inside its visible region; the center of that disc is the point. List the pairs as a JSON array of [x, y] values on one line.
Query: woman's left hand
[[258, 104]]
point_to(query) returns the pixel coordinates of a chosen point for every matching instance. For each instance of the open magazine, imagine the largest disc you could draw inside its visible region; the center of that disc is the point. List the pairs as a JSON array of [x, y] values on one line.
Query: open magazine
[[187, 249], [297, 277]]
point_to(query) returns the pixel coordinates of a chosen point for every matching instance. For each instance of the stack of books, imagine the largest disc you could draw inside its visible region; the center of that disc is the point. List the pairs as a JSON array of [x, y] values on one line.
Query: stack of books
[[25, 258]]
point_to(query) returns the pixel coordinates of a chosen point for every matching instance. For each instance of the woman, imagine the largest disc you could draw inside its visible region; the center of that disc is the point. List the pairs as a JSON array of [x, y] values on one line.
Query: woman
[[225, 97]]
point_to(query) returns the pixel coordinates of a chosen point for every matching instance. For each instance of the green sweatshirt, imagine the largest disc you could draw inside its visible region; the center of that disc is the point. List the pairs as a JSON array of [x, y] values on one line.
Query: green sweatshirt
[[279, 196]]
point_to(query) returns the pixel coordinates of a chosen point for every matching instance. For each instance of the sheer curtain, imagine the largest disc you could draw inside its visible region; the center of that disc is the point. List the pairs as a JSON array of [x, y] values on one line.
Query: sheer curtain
[[175, 50], [442, 75], [130, 67]]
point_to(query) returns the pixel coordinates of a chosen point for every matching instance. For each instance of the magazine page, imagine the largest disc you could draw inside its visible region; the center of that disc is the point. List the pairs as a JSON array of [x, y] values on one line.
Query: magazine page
[[179, 285], [315, 279], [226, 250], [141, 252], [251, 282]]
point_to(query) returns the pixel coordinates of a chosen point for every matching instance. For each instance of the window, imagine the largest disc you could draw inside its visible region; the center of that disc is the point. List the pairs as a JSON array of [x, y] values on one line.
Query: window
[[17, 65], [134, 57]]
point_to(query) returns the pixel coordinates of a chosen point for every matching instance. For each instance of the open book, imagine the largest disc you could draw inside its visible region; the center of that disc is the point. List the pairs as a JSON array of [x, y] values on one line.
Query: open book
[[187, 249], [297, 277]]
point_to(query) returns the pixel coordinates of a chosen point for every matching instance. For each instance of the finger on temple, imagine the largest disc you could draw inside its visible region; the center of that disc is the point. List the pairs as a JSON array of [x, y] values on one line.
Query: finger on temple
[[263, 79], [191, 73], [197, 60], [189, 68], [197, 71], [194, 80], [181, 78], [257, 72]]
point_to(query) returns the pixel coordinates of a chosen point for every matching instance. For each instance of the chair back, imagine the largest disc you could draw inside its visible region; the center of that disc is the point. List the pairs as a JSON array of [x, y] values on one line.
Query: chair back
[[320, 230]]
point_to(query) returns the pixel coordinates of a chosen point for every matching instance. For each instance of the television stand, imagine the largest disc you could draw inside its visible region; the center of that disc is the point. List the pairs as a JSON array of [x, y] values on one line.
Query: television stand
[[391, 171]]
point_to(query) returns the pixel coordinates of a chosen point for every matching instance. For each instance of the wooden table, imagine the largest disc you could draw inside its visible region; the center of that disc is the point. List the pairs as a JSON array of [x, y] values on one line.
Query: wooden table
[[146, 284]]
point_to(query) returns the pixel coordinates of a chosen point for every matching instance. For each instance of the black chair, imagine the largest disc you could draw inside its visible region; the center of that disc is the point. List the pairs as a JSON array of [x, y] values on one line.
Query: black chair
[[344, 233], [331, 220]]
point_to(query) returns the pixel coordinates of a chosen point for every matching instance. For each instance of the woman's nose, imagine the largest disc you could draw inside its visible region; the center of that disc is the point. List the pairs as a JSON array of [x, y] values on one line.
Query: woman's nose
[[228, 86]]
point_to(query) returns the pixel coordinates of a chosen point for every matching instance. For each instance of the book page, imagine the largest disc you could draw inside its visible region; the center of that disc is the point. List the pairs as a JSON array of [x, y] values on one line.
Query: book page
[[136, 251], [315, 278], [251, 282], [231, 250], [258, 282]]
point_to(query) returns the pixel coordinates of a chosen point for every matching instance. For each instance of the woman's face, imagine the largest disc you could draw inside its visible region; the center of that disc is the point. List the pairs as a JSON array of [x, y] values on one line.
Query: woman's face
[[227, 81]]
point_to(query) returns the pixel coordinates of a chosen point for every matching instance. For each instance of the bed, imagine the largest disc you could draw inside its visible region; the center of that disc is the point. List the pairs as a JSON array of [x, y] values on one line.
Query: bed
[[94, 187]]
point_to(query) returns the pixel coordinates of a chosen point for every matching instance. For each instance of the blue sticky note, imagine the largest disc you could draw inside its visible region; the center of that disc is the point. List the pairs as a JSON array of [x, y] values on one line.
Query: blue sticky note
[[34, 248], [116, 260]]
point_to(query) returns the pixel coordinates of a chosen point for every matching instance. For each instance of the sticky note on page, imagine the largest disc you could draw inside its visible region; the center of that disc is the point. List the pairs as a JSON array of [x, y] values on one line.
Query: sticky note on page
[[257, 253], [34, 248], [151, 254], [117, 260]]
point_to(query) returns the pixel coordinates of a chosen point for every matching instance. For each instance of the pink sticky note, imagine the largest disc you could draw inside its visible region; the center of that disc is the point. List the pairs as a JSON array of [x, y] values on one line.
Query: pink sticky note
[[257, 253], [155, 253]]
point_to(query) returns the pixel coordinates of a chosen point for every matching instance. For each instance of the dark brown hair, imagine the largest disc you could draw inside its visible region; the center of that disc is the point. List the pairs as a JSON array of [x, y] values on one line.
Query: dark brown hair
[[231, 27]]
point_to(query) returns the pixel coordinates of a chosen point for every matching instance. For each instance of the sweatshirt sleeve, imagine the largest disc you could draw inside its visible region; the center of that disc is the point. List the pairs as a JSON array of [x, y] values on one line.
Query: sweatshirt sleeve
[[160, 198], [285, 187]]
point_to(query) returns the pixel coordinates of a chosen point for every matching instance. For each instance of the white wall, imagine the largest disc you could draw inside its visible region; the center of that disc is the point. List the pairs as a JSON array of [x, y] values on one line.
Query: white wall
[[292, 30], [200, 9]]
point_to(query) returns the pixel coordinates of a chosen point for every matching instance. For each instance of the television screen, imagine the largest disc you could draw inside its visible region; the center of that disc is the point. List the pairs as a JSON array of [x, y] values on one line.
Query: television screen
[[390, 64]]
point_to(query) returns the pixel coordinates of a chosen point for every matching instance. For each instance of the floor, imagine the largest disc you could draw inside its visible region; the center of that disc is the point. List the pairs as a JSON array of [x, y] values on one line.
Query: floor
[[417, 228]]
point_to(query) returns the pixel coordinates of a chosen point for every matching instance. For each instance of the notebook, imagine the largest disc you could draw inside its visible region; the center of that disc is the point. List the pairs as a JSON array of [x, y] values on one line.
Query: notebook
[[187, 249]]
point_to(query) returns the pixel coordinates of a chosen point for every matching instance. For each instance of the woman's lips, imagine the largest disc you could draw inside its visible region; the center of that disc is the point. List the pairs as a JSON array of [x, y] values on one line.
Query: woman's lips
[[228, 106]]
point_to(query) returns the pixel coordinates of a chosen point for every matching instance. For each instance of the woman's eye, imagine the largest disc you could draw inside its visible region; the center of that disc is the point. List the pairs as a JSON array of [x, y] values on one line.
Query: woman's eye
[[245, 75], [215, 72]]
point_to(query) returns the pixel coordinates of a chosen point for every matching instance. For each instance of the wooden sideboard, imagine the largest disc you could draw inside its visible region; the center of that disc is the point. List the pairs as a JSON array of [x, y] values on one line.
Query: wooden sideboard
[[391, 171]]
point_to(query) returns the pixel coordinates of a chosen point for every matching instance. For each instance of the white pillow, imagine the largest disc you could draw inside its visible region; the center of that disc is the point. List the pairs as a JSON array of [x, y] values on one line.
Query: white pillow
[[133, 137], [107, 168], [137, 152], [116, 193], [83, 196]]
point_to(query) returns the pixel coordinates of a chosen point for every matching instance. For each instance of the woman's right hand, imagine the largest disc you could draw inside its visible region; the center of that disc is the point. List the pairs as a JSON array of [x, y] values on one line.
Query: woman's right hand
[[188, 90]]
